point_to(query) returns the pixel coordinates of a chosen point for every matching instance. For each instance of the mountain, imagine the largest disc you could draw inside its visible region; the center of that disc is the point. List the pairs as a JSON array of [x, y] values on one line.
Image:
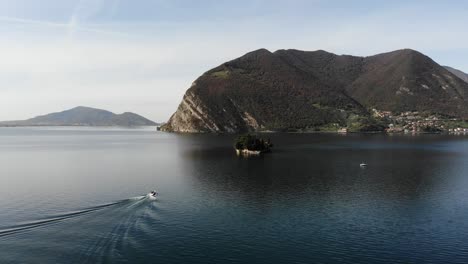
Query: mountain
[[407, 80], [300, 90], [458, 73], [83, 116]]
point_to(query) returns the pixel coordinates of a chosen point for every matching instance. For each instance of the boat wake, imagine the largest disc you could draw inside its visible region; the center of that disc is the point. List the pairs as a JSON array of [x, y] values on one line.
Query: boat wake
[[10, 230], [95, 234]]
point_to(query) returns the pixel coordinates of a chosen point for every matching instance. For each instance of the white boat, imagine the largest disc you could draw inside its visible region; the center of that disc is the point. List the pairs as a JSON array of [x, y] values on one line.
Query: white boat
[[152, 195], [363, 165]]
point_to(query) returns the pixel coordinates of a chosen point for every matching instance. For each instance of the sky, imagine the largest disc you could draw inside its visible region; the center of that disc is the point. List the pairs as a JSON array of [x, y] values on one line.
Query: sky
[[142, 55]]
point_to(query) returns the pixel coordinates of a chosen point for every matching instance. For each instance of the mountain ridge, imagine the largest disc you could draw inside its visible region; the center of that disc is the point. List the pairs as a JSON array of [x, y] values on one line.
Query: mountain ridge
[[83, 116]]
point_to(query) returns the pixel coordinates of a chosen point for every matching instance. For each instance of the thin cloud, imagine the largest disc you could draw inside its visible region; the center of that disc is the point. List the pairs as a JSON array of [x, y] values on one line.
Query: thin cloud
[[72, 25], [32, 22]]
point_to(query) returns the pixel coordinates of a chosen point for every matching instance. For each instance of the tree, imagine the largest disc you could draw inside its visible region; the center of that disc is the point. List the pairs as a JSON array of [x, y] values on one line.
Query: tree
[[252, 142]]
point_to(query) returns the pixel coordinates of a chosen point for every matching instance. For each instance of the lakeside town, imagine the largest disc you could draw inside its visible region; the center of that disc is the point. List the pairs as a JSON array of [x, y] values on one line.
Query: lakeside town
[[417, 122]]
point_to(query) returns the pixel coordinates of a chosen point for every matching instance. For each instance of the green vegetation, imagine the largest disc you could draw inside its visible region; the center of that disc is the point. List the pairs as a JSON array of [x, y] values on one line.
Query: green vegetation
[[451, 124], [221, 74], [319, 106], [332, 127], [252, 142], [358, 123]]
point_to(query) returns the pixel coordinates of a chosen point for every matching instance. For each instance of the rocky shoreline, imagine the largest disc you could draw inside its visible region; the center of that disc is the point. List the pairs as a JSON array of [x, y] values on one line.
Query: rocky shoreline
[[247, 152]]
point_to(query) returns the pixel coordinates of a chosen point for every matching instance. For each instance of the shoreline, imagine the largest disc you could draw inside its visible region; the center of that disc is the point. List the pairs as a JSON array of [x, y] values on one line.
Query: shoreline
[[319, 132], [247, 152], [457, 133]]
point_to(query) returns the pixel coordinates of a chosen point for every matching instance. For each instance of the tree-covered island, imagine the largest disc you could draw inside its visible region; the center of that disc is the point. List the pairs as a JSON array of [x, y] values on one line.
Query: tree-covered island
[[252, 145]]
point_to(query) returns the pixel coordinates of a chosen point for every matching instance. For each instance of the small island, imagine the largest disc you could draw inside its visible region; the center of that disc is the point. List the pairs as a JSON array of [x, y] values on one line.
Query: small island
[[252, 145]]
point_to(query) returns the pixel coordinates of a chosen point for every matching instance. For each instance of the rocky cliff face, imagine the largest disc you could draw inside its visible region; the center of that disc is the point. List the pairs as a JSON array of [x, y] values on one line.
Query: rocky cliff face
[[194, 116], [291, 89], [191, 116]]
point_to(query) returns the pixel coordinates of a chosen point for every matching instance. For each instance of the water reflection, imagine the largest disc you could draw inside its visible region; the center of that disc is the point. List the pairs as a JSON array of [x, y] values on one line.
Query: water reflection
[[324, 168], [307, 202]]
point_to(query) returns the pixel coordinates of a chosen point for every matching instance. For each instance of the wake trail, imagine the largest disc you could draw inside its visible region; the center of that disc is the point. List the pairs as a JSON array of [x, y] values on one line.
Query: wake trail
[[10, 230], [117, 238]]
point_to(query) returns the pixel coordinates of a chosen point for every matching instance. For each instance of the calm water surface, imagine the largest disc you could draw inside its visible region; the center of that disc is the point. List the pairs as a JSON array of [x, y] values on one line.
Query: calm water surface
[[77, 195]]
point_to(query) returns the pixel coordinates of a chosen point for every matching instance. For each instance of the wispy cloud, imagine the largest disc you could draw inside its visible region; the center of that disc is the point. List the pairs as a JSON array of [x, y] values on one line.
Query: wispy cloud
[[31, 22], [83, 10]]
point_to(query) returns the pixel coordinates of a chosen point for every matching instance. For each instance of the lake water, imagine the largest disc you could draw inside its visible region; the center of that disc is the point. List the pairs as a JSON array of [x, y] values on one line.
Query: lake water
[[77, 195]]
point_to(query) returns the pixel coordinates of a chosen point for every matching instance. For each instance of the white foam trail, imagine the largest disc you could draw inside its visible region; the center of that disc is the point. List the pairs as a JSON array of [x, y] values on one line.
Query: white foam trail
[[137, 198], [4, 231]]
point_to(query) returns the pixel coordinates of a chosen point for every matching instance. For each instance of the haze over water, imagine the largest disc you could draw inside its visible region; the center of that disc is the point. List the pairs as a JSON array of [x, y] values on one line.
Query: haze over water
[[77, 195]]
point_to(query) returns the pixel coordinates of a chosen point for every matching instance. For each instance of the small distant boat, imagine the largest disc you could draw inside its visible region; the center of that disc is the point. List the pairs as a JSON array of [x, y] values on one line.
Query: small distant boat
[[152, 195], [362, 165]]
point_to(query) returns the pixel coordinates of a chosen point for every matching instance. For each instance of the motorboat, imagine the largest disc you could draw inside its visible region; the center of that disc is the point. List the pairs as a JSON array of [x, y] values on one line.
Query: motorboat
[[152, 195], [363, 165]]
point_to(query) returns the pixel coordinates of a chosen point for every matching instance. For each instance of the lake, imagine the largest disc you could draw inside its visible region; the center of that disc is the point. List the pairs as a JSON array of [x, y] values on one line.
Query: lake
[[78, 195]]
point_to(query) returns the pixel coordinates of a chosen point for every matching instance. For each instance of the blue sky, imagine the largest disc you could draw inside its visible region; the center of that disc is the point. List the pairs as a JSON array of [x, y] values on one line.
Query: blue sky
[[141, 56]]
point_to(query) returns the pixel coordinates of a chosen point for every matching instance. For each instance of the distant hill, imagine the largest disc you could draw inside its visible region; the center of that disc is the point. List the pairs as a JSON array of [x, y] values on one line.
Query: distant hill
[[458, 73], [293, 89], [83, 116]]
